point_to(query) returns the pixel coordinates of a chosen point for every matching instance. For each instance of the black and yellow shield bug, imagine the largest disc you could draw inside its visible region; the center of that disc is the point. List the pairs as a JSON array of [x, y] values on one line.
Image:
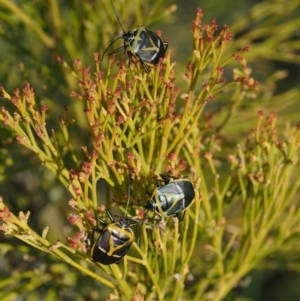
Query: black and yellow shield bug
[[171, 197], [114, 241], [146, 45], [115, 238]]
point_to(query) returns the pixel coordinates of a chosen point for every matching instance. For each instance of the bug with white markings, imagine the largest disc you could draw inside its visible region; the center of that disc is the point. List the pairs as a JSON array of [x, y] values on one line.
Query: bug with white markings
[[114, 241], [171, 197], [146, 45], [115, 238]]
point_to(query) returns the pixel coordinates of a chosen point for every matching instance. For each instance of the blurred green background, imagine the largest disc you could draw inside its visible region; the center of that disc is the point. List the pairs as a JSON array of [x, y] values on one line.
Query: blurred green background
[[34, 33]]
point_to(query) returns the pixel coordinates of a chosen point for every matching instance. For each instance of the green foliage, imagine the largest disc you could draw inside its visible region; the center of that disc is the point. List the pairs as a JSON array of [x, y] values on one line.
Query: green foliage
[[133, 126]]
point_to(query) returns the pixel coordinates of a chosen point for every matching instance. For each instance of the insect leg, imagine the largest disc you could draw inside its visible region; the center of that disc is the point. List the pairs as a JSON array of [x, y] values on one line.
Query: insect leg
[[119, 49], [164, 181], [109, 47], [97, 229], [167, 178], [143, 64], [129, 59], [179, 216], [166, 46], [91, 240]]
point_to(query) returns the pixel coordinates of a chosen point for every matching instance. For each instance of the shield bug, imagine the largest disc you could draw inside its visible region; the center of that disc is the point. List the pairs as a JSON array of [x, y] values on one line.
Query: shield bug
[[146, 45], [114, 241], [115, 238], [171, 197]]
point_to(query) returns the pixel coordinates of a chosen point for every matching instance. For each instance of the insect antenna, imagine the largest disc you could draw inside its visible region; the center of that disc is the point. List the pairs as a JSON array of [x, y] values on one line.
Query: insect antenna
[[117, 15], [116, 38], [109, 47], [128, 193]]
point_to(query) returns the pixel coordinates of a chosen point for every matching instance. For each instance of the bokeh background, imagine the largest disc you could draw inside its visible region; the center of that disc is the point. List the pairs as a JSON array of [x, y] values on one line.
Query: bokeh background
[[33, 34]]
